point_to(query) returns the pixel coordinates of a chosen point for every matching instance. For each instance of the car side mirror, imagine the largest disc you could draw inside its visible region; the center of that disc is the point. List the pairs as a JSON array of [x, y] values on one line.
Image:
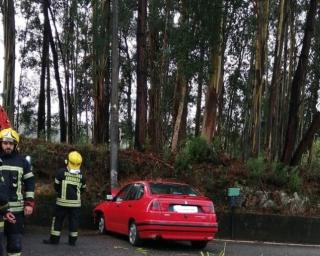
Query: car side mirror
[[109, 197]]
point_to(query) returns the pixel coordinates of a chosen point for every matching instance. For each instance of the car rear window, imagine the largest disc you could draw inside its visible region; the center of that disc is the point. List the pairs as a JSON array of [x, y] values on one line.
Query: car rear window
[[172, 189]]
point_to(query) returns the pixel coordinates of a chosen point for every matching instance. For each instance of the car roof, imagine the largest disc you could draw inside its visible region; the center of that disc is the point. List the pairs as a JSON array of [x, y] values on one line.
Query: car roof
[[158, 182]]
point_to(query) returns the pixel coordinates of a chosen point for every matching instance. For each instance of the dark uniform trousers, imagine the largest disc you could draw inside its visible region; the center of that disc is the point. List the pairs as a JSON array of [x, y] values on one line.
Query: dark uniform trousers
[[1, 235], [61, 212], [13, 232]]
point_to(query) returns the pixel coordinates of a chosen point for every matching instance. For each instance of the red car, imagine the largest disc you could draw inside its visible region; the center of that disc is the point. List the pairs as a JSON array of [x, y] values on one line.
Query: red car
[[159, 210]]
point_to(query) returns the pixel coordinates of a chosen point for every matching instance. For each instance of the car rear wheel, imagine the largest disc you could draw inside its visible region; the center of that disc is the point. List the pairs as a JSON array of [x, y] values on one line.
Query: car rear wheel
[[199, 244], [101, 225], [134, 238]]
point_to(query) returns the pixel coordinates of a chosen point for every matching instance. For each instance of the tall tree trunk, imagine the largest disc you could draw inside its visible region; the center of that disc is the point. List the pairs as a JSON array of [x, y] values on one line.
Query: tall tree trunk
[[70, 52], [272, 126], [307, 140], [209, 125], [210, 112], [44, 65], [48, 102], [154, 122], [164, 66], [63, 135], [180, 102], [199, 93], [297, 85], [290, 65], [262, 10], [141, 105], [9, 57], [100, 72]]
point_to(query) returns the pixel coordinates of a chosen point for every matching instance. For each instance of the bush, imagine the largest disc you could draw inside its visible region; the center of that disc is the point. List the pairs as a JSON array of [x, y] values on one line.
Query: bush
[[280, 172], [314, 165], [294, 182], [196, 150], [256, 167]]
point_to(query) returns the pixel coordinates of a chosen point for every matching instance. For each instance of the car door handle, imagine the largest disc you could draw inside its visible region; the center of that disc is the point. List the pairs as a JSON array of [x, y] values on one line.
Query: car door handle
[[129, 205]]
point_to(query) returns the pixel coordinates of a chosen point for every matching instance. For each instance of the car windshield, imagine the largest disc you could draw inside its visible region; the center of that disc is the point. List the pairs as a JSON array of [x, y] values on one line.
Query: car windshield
[[172, 189]]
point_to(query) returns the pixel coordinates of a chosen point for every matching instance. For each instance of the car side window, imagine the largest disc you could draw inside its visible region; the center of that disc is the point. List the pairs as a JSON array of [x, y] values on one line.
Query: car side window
[[140, 191], [123, 194], [136, 192]]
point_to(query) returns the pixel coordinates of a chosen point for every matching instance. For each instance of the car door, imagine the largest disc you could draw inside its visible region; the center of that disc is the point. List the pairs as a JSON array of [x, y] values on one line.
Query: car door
[[131, 206], [116, 213]]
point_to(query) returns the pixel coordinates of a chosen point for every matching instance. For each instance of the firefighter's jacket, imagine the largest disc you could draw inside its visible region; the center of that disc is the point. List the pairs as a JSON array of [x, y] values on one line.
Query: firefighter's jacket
[[69, 187], [3, 200], [19, 181]]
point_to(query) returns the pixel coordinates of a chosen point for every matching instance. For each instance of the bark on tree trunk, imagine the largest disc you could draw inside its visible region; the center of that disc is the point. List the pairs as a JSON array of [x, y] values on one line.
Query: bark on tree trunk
[[141, 105], [307, 140], [199, 94], [100, 70], [272, 126], [63, 135], [154, 122], [210, 112], [44, 65], [209, 125], [9, 58], [48, 102], [180, 99], [297, 84], [262, 10]]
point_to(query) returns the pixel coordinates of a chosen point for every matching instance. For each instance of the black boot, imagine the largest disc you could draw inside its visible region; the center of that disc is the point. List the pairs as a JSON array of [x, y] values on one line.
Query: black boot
[[72, 240], [52, 240]]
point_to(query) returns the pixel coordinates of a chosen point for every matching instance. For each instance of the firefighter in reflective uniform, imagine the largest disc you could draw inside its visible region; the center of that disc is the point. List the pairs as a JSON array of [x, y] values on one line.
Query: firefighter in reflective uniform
[[69, 184], [19, 181], [4, 206]]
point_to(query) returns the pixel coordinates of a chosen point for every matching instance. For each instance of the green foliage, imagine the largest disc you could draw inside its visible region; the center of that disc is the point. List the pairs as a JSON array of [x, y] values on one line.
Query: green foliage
[[196, 150], [256, 167], [280, 172], [294, 180], [312, 162], [286, 176]]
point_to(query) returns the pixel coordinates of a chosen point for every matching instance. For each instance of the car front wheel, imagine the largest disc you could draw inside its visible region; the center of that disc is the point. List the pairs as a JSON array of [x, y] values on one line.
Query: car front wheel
[[134, 238], [101, 225], [199, 244]]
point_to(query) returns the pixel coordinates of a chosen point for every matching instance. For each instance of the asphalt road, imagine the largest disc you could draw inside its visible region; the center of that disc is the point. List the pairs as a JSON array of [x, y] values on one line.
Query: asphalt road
[[91, 243]]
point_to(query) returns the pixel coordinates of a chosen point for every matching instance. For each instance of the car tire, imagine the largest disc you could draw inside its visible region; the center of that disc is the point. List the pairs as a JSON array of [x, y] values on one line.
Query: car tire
[[101, 225], [199, 244], [134, 238]]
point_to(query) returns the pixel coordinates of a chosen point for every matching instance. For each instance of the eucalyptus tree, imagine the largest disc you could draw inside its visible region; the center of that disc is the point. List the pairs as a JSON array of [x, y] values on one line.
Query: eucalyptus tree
[[183, 43], [8, 11], [141, 103], [216, 66], [272, 123], [44, 67], [259, 79], [156, 28], [312, 114], [297, 85], [100, 69]]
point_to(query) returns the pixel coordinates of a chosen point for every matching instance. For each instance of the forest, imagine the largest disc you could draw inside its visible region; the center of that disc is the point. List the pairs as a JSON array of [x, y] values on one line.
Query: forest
[[242, 76]]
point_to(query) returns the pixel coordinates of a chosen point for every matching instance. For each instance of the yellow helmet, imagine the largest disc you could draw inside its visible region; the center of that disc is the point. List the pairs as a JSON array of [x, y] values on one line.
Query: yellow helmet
[[10, 135], [74, 160]]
